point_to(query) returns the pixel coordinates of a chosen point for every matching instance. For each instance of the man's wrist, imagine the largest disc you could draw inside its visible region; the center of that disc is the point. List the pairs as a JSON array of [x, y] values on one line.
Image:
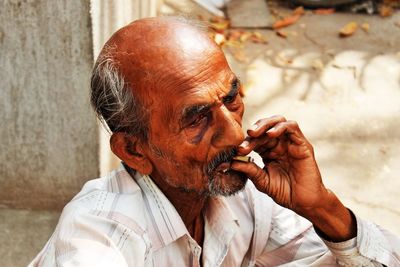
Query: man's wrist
[[331, 219]]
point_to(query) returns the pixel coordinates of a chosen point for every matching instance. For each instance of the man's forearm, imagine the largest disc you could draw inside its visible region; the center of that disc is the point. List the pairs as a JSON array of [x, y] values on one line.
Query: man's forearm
[[332, 219]]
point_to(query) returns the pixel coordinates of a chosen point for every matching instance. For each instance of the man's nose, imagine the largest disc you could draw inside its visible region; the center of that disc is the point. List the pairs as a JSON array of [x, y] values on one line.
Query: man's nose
[[229, 131]]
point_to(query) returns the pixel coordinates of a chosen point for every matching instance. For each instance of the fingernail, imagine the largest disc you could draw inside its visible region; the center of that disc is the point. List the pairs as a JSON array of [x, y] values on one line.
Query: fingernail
[[253, 127], [245, 143]]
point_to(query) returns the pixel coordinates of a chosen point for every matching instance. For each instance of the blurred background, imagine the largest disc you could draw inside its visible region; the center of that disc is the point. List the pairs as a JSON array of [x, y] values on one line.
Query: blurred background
[[334, 66]]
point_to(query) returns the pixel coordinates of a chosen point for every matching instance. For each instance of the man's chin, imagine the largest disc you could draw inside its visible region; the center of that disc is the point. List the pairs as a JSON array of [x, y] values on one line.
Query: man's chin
[[226, 184]]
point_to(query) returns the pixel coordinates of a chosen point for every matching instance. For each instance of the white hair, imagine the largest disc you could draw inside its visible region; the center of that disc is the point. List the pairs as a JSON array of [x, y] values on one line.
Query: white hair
[[113, 100]]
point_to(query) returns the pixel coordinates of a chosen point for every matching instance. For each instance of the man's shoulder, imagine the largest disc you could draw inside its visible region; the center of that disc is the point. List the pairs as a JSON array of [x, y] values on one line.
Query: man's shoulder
[[108, 210], [118, 181], [115, 198]]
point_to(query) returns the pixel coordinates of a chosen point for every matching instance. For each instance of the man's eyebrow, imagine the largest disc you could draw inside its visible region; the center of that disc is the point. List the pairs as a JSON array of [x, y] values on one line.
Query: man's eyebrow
[[235, 86], [191, 112]]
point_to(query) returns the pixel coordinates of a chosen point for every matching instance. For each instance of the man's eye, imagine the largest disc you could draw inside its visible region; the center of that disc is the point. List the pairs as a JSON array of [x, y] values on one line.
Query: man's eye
[[232, 97], [229, 99], [198, 120]]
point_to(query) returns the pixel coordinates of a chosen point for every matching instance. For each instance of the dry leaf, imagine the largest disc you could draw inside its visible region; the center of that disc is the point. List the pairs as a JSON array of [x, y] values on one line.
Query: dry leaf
[[245, 36], [219, 24], [324, 11], [240, 56], [349, 29], [299, 11], [282, 34], [385, 11], [234, 35], [365, 27], [258, 38], [233, 43], [217, 19], [286, 21], [239, 36], [236, 38]]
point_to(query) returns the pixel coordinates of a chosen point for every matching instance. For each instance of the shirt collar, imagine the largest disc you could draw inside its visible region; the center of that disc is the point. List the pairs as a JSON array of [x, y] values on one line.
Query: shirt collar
[[221, 225], [218, 213], [221, 222], [167, 225]]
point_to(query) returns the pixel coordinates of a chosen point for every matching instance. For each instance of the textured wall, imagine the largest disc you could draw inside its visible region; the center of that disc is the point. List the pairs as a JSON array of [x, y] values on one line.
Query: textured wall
[[48, 134]]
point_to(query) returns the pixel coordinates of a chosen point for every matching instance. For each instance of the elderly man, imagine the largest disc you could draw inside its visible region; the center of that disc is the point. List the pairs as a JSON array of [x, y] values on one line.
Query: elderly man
[[182, 196]]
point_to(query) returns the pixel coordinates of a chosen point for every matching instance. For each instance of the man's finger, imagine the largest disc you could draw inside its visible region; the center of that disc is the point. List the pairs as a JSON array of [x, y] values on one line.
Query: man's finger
[[251, 144], [274, 153], [271, 145], [291, 129], [261, 126], [259, 176]]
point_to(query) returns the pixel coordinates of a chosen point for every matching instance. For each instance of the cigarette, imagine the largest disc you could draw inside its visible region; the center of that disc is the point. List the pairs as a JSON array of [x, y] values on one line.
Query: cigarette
[[243, 158]]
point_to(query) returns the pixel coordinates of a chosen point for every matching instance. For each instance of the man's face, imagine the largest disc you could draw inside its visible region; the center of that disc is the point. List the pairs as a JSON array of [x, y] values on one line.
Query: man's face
[[195, 125]]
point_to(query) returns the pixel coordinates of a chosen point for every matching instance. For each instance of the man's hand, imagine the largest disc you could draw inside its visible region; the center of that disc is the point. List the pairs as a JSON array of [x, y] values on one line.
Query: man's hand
[[291, 176]]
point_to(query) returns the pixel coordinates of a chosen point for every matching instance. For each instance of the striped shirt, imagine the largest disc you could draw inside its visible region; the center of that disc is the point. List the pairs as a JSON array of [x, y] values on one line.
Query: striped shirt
[[120, 220]]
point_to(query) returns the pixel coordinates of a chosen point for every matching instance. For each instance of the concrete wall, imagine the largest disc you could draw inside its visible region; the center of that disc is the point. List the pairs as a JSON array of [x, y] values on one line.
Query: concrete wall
[[49, 135]]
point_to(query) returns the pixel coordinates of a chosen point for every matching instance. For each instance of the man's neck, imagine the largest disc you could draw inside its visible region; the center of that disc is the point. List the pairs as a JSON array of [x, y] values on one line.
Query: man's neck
[[189, 205]]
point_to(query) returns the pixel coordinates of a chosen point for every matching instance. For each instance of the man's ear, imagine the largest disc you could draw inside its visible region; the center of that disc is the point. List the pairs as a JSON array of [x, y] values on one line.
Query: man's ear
[[129, 149]]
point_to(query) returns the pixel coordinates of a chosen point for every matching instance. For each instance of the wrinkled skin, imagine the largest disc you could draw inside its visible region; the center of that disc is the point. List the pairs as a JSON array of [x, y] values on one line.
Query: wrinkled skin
[[195, 115]]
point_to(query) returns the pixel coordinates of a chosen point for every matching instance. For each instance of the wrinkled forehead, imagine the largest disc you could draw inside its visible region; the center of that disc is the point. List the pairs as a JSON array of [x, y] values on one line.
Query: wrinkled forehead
[[153, 46]]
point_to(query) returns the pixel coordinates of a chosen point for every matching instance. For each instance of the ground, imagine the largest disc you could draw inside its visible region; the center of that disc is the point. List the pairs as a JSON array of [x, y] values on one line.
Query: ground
[[344, 93]]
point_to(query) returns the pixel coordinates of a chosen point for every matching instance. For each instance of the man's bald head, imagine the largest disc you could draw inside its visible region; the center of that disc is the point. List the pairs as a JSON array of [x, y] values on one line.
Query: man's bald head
[[157, 46], [140, 58]]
